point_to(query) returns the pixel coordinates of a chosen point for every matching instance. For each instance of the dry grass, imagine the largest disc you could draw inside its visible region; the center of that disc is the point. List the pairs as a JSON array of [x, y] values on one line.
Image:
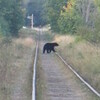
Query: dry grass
[[27, 33], [40, 81], [47, 36], [27, 42], [16, 58], [83, 56], [60, 38]]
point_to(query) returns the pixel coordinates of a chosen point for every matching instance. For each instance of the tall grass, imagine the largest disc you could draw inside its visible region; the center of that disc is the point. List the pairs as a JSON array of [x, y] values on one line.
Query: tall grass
[[83, 56], [16, 58], [47, 36]]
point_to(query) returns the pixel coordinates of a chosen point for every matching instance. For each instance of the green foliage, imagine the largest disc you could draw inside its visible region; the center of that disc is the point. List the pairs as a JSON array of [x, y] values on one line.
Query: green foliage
[[97, 2], [78, 39], [74, 16], [63, 17], [4, 28], [83, 31], [68, 23], [48, 36], [16, 19], [35, 7], [11, 17], [96, 35], [88, 34], [52, 11]]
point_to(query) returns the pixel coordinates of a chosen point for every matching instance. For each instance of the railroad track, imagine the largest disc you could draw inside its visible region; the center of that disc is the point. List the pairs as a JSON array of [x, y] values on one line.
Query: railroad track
[[56, 81], [87, 84], [34, 74]]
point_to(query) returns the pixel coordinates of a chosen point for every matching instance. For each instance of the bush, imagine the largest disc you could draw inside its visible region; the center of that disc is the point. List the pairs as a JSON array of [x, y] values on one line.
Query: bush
[[4, 28], [68, 22], [11, 17], [6, 40], [89, 35]]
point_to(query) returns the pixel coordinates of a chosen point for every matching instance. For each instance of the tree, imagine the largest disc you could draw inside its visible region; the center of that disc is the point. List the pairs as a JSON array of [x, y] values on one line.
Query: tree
[[35, 7], [87, 9], [16, 18], [52, 12], [4, 27], [12, 15], [69, 18], [97, 2]]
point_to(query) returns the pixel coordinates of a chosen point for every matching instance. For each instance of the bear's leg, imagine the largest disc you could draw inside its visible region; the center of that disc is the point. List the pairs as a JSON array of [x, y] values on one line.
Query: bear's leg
[[43, 50], [48, 51], [53, 50]]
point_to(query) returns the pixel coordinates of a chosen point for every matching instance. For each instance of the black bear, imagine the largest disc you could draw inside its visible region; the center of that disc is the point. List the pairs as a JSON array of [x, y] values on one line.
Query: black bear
[[49, 47]]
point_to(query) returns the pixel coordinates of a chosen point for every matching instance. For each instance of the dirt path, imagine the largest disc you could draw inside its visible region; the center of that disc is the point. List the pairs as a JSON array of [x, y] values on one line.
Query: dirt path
[[60, 82]]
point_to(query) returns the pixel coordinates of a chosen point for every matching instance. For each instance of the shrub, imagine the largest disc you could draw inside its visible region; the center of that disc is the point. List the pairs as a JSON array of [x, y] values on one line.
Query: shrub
[[89, 33], [4, 28]]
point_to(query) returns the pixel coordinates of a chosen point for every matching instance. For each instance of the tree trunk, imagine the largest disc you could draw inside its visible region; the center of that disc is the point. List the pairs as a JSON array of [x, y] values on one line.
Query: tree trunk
[[88, 11]]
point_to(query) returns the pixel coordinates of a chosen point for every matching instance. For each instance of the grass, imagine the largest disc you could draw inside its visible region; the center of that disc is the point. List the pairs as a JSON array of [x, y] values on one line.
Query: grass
[[83, 56], [16, 59], [40, 82], [27, 32], [47, 36]]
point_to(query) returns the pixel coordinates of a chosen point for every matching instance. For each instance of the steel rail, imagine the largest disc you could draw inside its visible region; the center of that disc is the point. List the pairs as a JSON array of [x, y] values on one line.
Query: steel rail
[[34, 74], [87, 84]]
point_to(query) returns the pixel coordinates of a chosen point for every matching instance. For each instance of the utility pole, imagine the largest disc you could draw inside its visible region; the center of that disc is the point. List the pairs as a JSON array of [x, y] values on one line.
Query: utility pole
[[31, 18], [32, 21]]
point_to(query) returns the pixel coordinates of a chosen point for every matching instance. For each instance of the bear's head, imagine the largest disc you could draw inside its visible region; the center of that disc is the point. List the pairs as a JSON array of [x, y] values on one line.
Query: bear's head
[[56, 44]]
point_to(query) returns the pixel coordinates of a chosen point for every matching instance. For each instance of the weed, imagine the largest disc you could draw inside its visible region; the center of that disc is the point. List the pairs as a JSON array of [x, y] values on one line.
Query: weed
[[16, 66]]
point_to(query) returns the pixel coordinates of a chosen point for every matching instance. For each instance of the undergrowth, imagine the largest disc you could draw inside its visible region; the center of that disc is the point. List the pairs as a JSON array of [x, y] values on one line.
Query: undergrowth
[[83, 56]]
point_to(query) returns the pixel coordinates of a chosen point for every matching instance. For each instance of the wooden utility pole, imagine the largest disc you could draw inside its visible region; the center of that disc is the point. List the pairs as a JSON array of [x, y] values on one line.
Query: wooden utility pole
[[31, 18], [32, 21]]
